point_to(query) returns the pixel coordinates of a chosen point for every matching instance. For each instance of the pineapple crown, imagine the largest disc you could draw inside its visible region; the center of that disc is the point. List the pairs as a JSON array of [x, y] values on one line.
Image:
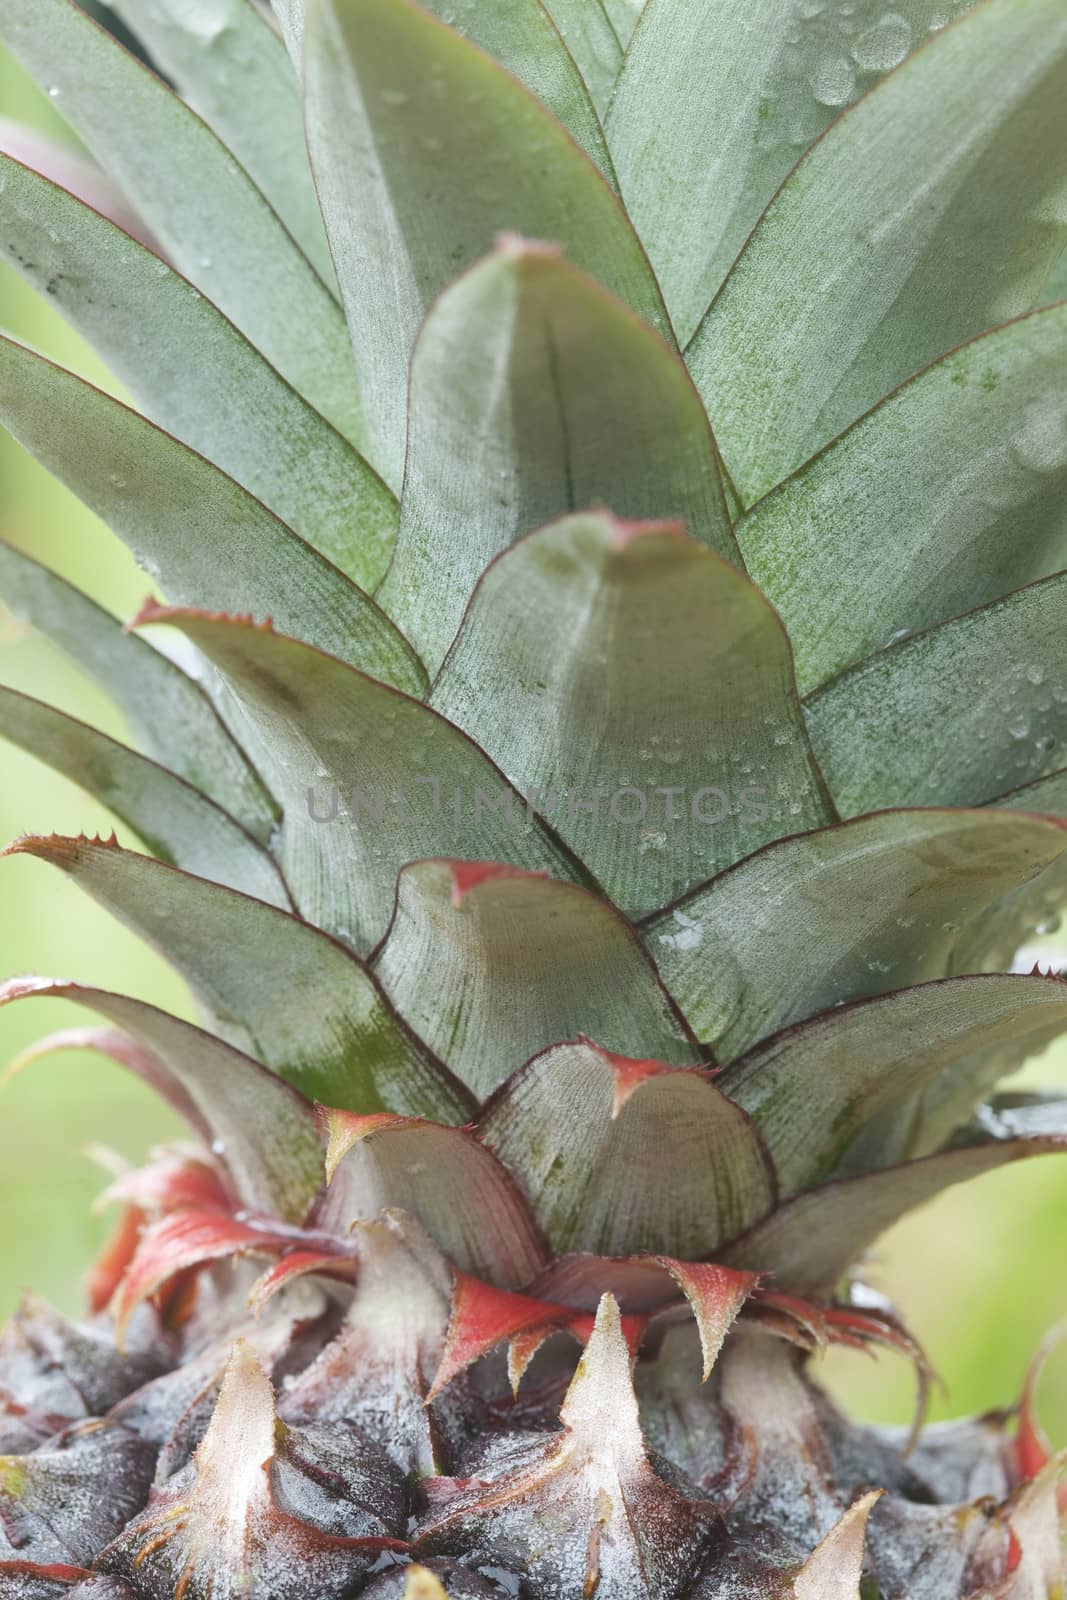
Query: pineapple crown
[[607, 754]]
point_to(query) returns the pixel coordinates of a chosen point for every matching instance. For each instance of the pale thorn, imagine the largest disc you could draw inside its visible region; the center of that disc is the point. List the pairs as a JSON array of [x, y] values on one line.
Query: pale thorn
[[835, 1567]]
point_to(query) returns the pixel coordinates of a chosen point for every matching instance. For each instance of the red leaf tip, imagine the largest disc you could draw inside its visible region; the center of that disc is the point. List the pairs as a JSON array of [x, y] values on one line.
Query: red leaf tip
[[630, 1072], [154, 611], [467, 875]]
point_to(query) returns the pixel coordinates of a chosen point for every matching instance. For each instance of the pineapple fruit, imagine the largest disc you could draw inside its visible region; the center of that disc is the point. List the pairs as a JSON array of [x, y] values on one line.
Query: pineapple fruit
[[599, 755]]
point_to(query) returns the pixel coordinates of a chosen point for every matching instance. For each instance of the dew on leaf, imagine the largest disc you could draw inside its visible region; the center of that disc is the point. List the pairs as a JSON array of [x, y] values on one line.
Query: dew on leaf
[[883, 45], [833, 81]]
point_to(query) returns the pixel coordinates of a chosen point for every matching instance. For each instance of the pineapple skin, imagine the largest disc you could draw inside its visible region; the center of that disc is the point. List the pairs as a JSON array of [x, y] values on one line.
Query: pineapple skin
[[605, 462]]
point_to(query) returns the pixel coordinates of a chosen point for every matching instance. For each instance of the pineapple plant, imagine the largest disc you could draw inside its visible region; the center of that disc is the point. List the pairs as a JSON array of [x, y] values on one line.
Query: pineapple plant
[[599, 750]]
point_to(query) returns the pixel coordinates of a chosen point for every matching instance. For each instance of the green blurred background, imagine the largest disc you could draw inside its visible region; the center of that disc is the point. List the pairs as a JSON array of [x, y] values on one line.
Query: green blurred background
[[981, 1274]]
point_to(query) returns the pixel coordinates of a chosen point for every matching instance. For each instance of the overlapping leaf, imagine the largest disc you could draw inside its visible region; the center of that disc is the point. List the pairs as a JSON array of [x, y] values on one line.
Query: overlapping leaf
[[423, 150], [585, 1131], [642, 683], [173, 819], [591, 37], [304, 1005], [873, 259], [444, 1176], [205, 539], [169, 715], [523, 38], [229, 64], [534, 393], [877, 904], [59, 161], [203, 208], [367, 778], [958, 714], [265, 1132], [491, 966], [946, 496], [1048, 795], [195, 374], [811, 1242], [750, 84], [817, 1088]]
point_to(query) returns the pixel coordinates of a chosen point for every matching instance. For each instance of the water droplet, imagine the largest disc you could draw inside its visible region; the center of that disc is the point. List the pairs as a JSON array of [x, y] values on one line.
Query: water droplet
[[884, 44], [1035, 674], [1019, 727], [54, 92], [833, 81]]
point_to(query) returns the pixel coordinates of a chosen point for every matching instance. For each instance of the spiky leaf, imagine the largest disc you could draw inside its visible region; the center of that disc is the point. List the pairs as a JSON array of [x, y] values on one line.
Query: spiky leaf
[[339, 748], [750, 84], [854, 552], [266, 1133], [305, 1006], [204, 209], [584, 1131], [423, 150], [988, 691], [872, 260], [816, 1088], [169, 714], [229, 65], [173, 819], [534, 393], [205, 539], [195, 374], [877, 904], [612, 641], [491, 966]]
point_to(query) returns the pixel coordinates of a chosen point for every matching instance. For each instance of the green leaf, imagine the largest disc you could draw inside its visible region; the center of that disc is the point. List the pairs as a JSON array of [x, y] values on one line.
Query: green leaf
[[265, 1132], [750, 85], [203, 537], [211, 220], [816, 1088], [810, 1243], [446, 1179], [523, 38], [880, 903], [1054, 287], [289, 15], [367, 778], [168, 714], [957, 714], [995, 942], [854, 552], [175, 820], [624, 16], [195, 375], [587, 31], [1048, 795], [646, 687], [584, 1131], [305, 1006], [874, 258], [534, 393], [229, 64], [491, 966], [423, 150]]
